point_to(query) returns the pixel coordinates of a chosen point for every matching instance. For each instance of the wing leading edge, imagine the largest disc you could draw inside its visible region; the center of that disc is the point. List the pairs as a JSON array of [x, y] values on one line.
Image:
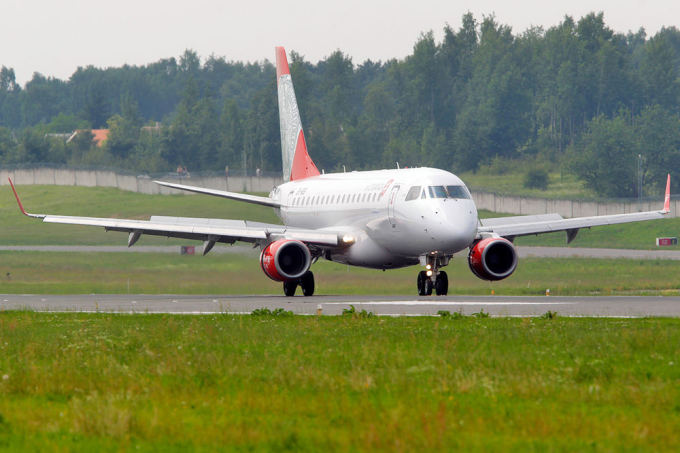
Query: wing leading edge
[[511, 227], [210, 231]]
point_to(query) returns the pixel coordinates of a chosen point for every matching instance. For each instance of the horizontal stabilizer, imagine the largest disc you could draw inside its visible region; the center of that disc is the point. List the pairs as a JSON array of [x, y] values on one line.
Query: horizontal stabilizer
[[254, 199]]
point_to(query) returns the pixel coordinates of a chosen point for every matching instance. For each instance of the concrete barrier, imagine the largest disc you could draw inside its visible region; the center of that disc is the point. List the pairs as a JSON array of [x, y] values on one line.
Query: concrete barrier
[[86, 178], [43, 176], [127, 182], [106, 179], [24, 177], [65, 177]]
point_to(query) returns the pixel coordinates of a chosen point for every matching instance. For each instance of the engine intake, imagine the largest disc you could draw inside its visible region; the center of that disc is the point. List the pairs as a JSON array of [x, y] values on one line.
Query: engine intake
[[285, 259], [492, 259]]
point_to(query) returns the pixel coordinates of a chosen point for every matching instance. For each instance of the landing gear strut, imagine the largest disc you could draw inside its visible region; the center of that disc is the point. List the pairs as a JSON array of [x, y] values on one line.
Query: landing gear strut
[[424, 284], [433, 278], [306, 282]]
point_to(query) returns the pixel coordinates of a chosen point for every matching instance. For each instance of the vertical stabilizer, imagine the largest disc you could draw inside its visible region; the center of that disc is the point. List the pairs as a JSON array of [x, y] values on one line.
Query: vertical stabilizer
[[296, 161]]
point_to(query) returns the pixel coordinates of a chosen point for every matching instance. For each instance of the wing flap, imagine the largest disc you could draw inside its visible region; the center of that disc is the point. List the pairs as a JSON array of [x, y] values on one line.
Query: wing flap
[[218, 230], [149, 227]]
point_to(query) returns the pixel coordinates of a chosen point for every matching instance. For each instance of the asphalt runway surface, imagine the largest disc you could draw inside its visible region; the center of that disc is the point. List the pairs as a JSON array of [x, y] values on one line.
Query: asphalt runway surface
[[614, 306], [608, 306]]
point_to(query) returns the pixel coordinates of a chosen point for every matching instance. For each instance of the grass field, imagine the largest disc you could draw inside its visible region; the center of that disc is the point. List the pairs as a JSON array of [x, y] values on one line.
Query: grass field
[[560, 186], [148, 273], [16, 229], [105, 382]]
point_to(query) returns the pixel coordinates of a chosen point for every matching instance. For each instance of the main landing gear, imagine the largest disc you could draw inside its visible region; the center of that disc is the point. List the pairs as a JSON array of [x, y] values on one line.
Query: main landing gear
[[306, 282], [433, 278]]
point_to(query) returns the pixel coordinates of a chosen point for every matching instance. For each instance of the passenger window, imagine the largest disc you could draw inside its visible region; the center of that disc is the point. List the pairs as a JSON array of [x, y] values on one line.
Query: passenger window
[[458, 192], [437, 192], [413, 193]]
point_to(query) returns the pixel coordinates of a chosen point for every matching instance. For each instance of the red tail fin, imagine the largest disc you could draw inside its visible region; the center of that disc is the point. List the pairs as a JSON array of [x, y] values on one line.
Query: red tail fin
[[296, 161]]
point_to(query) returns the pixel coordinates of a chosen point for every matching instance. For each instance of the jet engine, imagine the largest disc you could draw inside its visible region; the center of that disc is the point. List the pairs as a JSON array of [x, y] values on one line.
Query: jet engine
[[285, 259], [492, 259]]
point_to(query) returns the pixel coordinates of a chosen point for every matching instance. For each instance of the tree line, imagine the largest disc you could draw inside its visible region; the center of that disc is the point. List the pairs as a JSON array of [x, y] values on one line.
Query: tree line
[[576, 96]]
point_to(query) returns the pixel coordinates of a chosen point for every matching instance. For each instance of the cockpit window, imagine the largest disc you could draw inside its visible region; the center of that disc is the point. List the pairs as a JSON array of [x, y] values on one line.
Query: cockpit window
[[413, 193], [458, 192], [437, 192]]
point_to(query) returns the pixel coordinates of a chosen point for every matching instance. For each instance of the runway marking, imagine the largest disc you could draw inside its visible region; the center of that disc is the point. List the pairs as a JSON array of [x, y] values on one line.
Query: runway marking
[[422, 303]]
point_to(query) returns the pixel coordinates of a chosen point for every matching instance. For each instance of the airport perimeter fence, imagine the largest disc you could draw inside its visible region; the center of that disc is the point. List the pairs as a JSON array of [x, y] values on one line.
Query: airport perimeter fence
[[265, 182], [139, 183]]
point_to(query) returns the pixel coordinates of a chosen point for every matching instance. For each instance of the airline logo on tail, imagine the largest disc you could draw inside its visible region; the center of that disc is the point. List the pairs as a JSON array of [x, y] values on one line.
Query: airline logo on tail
[[296, 161]]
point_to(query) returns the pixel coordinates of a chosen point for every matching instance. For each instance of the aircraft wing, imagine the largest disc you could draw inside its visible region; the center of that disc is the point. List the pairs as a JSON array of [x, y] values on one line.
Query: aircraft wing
[[511, 227], [208, 230], [264, 201]]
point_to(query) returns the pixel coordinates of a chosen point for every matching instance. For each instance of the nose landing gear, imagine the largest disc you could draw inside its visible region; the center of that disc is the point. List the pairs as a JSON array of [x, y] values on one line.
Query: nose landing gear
[[306, 282], [433, 278]]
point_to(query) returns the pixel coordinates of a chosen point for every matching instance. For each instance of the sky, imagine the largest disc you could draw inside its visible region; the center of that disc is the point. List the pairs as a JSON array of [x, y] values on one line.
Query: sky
[[56, 37]]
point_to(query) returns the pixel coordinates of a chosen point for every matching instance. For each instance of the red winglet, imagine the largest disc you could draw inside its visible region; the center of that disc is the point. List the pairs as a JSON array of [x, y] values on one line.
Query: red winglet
[[667, 198], [281, 63], [23, 211]]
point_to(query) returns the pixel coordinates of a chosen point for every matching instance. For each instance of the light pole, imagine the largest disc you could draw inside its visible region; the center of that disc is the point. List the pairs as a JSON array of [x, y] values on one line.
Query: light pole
[[639, 185]]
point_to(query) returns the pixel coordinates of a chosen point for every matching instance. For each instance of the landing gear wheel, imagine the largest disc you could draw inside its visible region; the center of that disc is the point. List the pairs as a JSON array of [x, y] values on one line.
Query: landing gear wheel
[[441, 285], [289, 287], [424, 284], [428, 287], [307, 283]]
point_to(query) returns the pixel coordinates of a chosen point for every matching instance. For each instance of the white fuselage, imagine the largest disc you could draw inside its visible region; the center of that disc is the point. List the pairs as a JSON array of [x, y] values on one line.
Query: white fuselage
[[389, 225]]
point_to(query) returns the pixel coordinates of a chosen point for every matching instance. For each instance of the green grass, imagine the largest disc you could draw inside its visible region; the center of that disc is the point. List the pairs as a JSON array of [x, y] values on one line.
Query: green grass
[[560, 186], [105, 382], [148, 273]]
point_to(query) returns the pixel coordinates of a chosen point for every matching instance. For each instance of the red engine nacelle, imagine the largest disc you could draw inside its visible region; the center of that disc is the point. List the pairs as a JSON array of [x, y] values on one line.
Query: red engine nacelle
[[285, 259], [492, 259]]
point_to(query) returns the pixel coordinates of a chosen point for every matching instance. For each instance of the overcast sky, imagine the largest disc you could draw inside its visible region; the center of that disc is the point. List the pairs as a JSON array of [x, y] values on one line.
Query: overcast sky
[[55, 37]]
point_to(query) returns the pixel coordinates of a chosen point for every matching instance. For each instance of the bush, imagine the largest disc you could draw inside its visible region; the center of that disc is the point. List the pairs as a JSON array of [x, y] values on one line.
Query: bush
[[267, 312], [481, 314], [550, 315], [449, 315], [536, 178], [353, 313]]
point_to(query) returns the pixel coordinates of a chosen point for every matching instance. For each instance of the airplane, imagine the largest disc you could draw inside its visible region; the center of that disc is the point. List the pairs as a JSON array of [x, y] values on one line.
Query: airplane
[[382, 219]]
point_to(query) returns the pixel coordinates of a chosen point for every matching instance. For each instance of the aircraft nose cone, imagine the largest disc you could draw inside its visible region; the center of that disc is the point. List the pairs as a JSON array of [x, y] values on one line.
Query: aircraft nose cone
[[457, 230]]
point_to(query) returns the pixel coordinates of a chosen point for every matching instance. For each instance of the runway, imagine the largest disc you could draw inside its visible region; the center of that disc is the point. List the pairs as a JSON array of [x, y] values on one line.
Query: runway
[[615, 306]]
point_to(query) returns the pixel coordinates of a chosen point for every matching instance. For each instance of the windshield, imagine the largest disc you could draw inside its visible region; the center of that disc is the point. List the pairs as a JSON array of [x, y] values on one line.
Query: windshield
[[458, 192], [437, 192], [413, 193]]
